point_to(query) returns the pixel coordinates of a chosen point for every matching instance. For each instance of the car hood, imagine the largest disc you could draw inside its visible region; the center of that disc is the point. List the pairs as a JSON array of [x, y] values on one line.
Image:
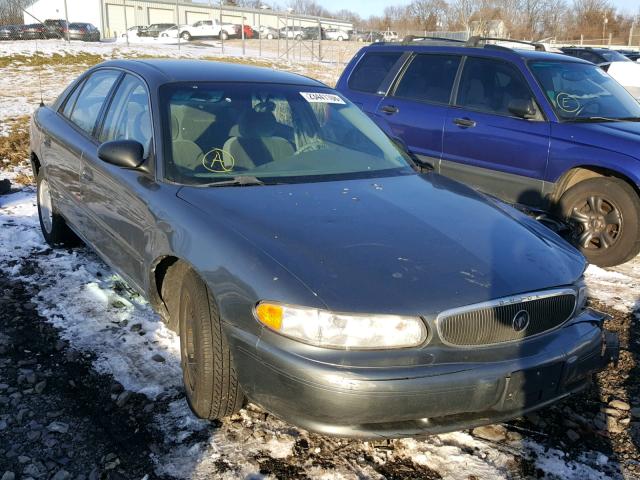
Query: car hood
[[620, 137], [408, 244]]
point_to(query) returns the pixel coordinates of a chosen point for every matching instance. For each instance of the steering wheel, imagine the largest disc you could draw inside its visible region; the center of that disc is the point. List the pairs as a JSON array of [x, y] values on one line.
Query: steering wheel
[[587, 104], [312, 146]]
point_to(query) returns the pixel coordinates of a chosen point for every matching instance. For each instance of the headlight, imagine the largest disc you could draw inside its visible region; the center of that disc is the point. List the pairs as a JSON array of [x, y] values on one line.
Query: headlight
[[583, 296], [342, 331]]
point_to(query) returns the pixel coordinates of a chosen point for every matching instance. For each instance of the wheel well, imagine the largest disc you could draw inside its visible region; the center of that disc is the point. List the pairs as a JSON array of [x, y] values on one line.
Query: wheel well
[[578, 174], [35, 164], [158, 274]]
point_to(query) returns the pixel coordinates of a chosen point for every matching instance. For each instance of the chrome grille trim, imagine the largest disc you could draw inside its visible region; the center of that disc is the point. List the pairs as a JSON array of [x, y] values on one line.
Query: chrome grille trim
[[473, 313]]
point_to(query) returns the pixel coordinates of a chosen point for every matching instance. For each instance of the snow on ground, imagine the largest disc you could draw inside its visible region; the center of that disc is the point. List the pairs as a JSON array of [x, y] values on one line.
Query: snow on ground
[[96, 312]]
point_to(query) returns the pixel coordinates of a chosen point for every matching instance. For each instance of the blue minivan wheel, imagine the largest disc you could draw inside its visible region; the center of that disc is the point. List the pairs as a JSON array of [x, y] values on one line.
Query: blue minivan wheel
[[605, 215]]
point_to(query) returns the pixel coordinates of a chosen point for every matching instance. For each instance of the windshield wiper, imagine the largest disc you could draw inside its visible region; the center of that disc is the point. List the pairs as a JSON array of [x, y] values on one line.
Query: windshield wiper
[[604, 119], [595, 119], [238, 181]]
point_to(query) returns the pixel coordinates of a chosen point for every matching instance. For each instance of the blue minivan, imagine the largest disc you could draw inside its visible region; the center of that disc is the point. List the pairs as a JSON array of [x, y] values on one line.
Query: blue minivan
[[538, 129]]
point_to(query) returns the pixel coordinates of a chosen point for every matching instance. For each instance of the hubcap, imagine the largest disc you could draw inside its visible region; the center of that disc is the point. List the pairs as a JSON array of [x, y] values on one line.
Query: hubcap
[[44, 200], [599, 222]]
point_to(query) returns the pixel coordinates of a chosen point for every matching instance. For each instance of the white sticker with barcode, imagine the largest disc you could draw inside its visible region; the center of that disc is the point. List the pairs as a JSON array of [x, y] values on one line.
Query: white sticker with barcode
[[315, 97]]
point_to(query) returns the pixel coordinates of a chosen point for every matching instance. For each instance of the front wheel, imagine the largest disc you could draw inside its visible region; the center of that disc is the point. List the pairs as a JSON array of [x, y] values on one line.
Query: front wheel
[[186, 36], [605, 215], [269, 36], [208, 372], [54, 228], [340, 39], [298, 37], [224, 35]]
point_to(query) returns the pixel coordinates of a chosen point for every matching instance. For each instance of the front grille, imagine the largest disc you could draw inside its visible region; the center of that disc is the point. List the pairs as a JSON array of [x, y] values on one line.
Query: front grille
[[495, 322]]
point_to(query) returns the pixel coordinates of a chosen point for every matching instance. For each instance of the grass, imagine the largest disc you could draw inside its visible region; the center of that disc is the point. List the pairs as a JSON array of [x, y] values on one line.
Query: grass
[[38, 59], [14, 148]]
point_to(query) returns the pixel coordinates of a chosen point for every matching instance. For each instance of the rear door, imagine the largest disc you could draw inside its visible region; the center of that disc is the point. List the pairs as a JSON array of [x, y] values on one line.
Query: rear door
[[115, 197], [486, 145], [368, 77], [416, 109]]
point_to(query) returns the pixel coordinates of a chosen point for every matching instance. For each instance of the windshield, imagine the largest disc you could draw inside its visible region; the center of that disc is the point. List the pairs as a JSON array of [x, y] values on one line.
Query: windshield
[[276, 133], [580, 91]]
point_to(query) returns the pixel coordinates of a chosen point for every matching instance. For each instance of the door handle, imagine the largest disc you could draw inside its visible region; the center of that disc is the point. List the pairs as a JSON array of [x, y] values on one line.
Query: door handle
[[390, 109], [47, 142], [464, 122]]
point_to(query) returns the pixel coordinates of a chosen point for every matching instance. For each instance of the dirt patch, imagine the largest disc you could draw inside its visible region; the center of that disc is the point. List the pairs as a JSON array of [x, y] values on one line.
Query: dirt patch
[[40, 59], [14, 146]]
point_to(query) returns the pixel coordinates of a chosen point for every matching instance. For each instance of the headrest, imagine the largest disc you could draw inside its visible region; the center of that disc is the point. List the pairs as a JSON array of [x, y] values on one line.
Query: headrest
[[255, 123]]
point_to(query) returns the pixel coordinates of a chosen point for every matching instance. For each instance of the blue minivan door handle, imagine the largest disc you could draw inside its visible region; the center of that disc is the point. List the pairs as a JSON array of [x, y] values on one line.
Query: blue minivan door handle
[[390, 109], [464, 122]]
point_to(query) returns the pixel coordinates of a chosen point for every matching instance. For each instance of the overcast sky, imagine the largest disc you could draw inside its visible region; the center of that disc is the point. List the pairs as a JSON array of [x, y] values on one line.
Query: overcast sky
[[375, 7]]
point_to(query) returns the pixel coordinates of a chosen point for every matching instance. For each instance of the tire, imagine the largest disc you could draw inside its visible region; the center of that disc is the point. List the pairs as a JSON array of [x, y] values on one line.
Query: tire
[[605, 215], [209, 376], [54, 228], [340, 39], [270, 36], [298, 37], [186, 36], [224, 35]]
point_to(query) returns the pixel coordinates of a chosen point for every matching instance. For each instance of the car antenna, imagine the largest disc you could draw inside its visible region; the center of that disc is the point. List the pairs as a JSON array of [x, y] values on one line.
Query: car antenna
[[40, 66]]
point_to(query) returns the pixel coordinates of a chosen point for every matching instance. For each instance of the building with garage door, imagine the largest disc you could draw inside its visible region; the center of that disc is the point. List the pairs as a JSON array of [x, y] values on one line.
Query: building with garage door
[[113, 17]]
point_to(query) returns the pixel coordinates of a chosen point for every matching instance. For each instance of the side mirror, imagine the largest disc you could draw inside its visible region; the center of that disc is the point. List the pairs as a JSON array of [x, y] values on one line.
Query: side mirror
[[523, 108], [122, 153]]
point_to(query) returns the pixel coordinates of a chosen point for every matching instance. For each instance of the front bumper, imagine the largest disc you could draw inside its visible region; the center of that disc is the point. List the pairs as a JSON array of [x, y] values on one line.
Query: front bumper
[[403, 401]]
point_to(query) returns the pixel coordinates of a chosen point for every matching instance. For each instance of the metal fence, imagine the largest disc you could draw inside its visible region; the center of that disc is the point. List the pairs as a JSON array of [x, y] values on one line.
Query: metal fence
[[170, 25]]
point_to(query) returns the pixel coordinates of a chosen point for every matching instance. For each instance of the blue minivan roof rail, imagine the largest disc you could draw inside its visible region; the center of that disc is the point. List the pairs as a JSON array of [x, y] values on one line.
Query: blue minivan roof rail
[[477, 41]]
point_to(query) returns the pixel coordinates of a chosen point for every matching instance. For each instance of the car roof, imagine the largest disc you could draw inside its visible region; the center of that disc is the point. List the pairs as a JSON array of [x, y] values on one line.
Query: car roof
[[157, 72], [488, 50]]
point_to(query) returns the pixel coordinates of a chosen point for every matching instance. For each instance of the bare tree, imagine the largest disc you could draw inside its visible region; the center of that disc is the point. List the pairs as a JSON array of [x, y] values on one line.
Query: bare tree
[[428, 14], [11, 11]]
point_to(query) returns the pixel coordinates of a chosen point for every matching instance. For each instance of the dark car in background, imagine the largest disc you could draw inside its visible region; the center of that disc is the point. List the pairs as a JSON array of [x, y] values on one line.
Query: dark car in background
[[56, 28], [155, 29], [371, 37], [314, 33], [11, 32], [307, 262], [551, 132], [83, 31], [34, 31]]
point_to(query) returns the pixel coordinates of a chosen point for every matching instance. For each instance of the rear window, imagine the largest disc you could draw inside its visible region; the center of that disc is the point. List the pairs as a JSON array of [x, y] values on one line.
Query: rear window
[[429, 78], [371, 71]]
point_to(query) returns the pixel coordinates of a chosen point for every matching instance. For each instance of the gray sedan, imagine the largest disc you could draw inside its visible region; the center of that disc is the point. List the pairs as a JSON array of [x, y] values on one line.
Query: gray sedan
[[309, 264]]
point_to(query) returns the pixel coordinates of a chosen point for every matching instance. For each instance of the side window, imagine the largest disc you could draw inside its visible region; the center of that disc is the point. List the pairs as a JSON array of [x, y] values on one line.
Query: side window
[[91, 98], [490, 86], [429, 78], [372, 70], [71, 100], [128, 116]]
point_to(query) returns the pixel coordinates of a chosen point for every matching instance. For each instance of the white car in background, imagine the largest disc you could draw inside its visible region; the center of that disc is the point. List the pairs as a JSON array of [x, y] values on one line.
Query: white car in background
[[625, 71], [390, 36], [208, 28], [336, 34]]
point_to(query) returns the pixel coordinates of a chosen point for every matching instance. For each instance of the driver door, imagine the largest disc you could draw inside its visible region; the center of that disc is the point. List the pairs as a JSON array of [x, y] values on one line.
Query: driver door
[[488, 146], [114, 196]]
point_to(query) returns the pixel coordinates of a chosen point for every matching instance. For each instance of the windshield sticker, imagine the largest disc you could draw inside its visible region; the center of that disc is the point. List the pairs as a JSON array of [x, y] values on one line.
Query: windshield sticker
[[314, 97], [567, 103], [218, 161]]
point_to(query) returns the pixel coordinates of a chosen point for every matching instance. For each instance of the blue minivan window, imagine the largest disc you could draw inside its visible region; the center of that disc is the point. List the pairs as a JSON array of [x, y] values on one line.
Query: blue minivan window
[[583, 92], [372, 70], [429, 78]]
